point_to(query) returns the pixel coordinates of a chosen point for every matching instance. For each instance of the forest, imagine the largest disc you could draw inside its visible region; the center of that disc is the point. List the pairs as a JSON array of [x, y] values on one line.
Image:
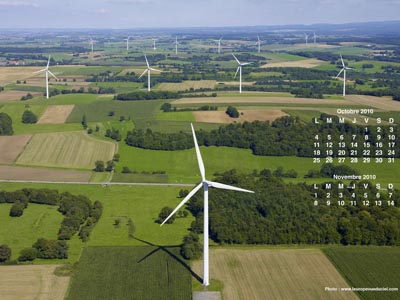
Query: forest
[[282, 213]]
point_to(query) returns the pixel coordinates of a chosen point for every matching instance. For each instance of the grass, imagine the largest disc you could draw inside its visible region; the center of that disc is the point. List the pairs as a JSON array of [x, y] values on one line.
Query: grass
[[368, 267], [307, 116], [176, 116], [38, 221], [140, 177], [131, 273], [186, 85], [66, 150]]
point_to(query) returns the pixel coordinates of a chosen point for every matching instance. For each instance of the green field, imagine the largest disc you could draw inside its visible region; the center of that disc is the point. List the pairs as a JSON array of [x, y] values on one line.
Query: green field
[[368, 267], [176, 116], [66, 150], [37, 221], [145, 273]]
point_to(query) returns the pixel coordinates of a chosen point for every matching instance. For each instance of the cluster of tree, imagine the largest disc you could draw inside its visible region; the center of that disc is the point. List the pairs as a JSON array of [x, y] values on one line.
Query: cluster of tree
[[286, 136], [5, 124], [152, 95], [1, 88], [281, 213], [47, 249], [127, 170], [166, 211], [191, 247], [78, 211], [100, 166], [328, 170], [232, 112], [306, 93], [5, 253], [167, 107], [27, 97], [113, 134], [28, 117]]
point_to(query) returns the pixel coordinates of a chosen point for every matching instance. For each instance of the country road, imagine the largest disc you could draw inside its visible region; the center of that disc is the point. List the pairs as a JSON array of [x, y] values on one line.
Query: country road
[[101, 183]]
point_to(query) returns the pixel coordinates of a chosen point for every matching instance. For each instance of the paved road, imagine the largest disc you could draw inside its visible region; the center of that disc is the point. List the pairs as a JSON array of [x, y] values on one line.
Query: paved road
[[102, 183]]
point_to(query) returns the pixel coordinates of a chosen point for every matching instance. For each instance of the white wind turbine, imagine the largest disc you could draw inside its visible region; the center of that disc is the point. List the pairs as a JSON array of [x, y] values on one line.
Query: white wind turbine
[[259, 44], [219, 45], [47, 72], [239, 69], [315, 38], [306, 37], [127, 43], [176, 45], [148, 69], [154, 44], [205, 184], [344, 69], [91, 42]]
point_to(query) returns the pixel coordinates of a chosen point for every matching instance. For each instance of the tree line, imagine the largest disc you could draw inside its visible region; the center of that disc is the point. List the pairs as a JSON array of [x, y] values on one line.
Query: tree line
[[5, 124]]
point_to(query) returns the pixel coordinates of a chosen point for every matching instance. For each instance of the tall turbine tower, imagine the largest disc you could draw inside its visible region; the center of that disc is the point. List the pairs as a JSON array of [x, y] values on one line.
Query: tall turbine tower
[[219, 45], [259, 44], [306, 37], [344, 69], [206, 184], [47, 72], [176, 45], [148, 69], [91, 42], [127, 43], [239, 69], [154, 44]]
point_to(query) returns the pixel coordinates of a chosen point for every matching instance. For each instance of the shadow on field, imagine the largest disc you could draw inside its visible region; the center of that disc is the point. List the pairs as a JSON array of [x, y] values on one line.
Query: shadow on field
[[166, 250]]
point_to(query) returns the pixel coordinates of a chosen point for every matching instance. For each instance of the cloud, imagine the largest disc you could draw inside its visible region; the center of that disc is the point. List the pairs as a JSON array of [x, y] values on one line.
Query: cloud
[[103, 11], [12, 3]]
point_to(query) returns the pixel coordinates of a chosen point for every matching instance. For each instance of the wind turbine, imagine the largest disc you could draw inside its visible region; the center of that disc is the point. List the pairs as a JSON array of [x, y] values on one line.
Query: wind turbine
[[219, 45], [148, 69], [239, 69], [47, 72], [259, 44], [306, 37], [206, 184], [91, 42], [315, 38], [176, 45], [154, 44], [344, 69], [127, 43]]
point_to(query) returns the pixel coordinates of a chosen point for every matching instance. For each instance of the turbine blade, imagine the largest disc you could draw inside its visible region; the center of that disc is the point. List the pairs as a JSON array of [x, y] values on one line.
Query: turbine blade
[[227, 187], [37, 72], [339, 73], [237, 71], [236, 59], [258, 37], [192, 192], [52, 74], [198, 154], [144, 72], [48, 62], [341, 58], [245, 64], [155, 70], [147, 62]]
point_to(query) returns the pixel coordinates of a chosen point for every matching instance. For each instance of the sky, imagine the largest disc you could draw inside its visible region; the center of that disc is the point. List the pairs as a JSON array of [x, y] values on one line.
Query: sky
[[120, 14]]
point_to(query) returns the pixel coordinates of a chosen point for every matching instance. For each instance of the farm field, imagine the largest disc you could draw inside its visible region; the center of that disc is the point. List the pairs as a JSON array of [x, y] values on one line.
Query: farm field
[[42, 174], [283, 274], [15, 95], [368, 267], [305, 63], [38, 282], [66, 150], [12, 146], [56, 114], [384, 103], [9, 75], [146, 273], [246, 115], [186, 85]]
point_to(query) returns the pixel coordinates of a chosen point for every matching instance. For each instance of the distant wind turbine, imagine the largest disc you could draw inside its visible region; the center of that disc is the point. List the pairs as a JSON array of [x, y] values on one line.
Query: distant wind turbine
[[176, 45], [315, 38], [127, 43], [306, 37], [148, 69], [239, 69], [91, 42], [219, 45], [344, 69], [259, 44], [205, 184], [154, 44], [47, 72]]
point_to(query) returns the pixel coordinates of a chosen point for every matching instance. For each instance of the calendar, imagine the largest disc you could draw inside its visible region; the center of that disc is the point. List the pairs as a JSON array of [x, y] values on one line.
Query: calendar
[[358, 149]]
